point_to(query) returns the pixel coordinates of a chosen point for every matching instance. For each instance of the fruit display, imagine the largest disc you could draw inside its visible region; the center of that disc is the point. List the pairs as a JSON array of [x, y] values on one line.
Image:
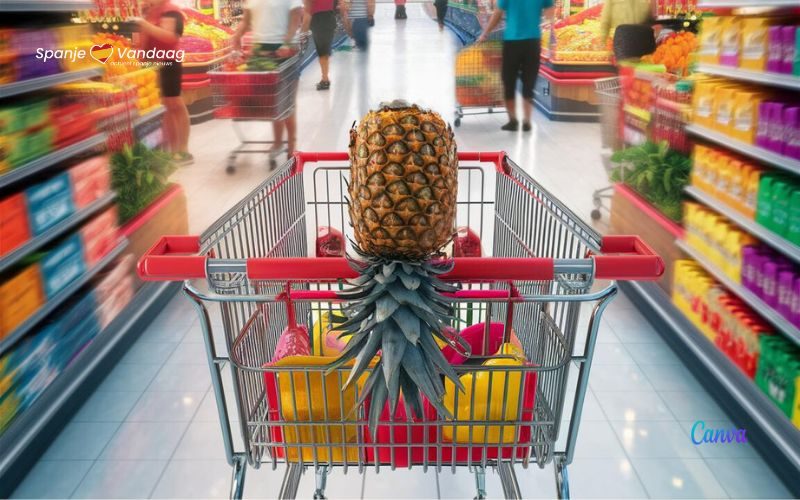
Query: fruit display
[[674, 52], [477, 71], [204, 38], [145, 82], [123, 59], [403, 186], [578, 38]]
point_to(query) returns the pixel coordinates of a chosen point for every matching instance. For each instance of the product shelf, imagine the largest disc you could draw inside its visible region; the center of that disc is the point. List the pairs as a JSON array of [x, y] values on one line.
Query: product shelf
[[783, 325], [61, 297], [771, 79], [787, 248], [39, 165], [45, 82], [55, 232], [32, 432], [150, 115], [768, 429], [739, 4], [755, 152], [45, 5]]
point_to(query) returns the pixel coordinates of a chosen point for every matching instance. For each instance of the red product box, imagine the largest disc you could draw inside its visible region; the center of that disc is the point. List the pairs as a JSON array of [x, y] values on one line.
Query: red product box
[[14, 229], [90, 179], [99, 236], [114, 291]]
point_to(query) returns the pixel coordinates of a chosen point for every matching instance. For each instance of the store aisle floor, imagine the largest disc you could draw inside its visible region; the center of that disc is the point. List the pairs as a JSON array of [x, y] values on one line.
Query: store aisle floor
[[151, 428]]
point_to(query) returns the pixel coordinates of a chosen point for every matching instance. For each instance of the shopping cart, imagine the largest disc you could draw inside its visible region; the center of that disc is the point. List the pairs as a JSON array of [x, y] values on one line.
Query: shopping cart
[[245, 96], [548, 279], [609, 95], [479, 87]]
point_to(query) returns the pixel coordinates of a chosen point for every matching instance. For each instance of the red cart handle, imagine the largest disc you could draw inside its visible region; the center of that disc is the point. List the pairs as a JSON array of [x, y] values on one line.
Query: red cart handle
[[174, 258]]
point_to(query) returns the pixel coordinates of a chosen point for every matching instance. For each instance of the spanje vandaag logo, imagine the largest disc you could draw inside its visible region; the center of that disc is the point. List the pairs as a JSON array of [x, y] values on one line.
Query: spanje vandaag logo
[[107, 53]]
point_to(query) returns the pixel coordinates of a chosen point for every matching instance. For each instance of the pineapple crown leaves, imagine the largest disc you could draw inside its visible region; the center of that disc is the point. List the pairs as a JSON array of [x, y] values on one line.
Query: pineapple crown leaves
[[397, 308]]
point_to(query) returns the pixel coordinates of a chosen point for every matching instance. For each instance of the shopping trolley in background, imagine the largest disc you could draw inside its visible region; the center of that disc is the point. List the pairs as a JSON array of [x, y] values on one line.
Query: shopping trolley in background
[[245, 96], [546, 283], [609, 96], [479, 86]]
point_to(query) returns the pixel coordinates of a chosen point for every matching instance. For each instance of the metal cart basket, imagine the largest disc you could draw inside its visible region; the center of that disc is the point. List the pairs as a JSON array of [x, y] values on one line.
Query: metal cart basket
[[245, 96], [543, 286], [479, 86], [609, 94]]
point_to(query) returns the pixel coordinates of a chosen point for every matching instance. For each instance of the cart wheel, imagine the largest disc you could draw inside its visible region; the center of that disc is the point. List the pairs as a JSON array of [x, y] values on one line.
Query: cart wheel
[[230, 169], [457, 123], [273, 163], [562, 478], [321, 476], [596, 215], [491, 110], [480, 483]]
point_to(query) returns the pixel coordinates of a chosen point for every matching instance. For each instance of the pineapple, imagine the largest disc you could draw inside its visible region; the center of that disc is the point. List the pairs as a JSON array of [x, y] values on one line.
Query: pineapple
[[403, 182]]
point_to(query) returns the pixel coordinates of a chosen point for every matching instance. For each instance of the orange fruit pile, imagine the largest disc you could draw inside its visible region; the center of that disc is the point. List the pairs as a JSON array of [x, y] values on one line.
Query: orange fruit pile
[[675, 52]]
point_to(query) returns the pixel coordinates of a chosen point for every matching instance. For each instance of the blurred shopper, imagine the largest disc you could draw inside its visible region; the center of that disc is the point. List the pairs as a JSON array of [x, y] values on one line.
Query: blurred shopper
[[356, 15], [631, 22], [522, 46], [320, 17], [400, 9], [441, 12], [162, 28], [274, 24]]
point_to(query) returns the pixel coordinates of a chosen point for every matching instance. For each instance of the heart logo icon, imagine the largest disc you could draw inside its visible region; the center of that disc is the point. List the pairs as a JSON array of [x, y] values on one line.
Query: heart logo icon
[[101, 53]]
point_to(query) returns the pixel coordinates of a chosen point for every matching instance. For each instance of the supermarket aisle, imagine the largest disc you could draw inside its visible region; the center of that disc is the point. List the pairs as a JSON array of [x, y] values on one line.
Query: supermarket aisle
[[151, 429]]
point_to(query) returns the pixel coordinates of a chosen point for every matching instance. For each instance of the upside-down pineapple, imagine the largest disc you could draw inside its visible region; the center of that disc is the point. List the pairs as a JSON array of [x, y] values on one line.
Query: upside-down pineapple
[[403, 182]]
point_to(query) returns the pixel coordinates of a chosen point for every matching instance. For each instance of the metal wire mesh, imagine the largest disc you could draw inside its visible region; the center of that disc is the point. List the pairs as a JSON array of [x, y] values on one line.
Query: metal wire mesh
[[609, 93]]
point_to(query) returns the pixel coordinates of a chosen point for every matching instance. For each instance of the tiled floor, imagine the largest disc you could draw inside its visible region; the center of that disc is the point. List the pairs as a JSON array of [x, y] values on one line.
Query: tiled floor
[[151, 429]]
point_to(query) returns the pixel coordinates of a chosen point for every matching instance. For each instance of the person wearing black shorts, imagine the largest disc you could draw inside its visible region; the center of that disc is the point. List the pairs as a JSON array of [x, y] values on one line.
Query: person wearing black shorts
[[161, 29], [320, 18], [441, 12], [522, 46]]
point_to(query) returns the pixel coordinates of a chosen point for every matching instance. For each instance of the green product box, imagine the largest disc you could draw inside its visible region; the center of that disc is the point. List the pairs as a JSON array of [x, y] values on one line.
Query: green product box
[[764, 201], [778, 371], [797, 52], [793, 232], [781, 192]]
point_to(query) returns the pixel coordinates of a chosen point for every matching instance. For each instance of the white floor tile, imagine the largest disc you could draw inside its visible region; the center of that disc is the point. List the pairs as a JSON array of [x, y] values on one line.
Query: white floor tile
[[52, 479], [400, 483], [107, 406], [153, 353], [145, 441], [652, 354], [166, 407], [596, 439], [176, 378], [604, 478], [203, 441], [121, 479], [747, 478], [134, 378], [678, 478], [611, 354], [195, 479], [671, 378], [189, 354], [692, 405], [338, 486], [618, 378], [461, 484], [654, 439], [633, 406], [81, 441]]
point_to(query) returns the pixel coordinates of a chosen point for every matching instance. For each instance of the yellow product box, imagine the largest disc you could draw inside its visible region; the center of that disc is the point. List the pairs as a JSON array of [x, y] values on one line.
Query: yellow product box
[[703, 102], [710, 38], [739, 171], [796, 406], [744, 122], [730, 41], [723, 108], [20, 297], [724, 175], [733, 253], [700, 168], [754, 42], [753, 182]]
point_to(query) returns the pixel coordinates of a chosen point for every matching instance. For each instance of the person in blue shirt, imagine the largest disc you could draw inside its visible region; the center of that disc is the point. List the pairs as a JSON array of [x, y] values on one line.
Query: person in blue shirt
[[522, 45]]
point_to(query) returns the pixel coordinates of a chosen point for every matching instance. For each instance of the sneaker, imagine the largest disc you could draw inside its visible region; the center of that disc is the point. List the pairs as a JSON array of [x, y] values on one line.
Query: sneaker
[[183, 158], [526, 126], [324, 85], [511, 126]]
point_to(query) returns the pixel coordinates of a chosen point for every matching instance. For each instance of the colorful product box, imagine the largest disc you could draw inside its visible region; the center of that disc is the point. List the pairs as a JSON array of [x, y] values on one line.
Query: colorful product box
[[723, 107], [62, 265], [710, 38], [778, 372], [730, 41], [744, 124], [115, 290], [49, 203], [20, 296], [99, 236], [756, 40], [14, 230], [91, 180], [788, 49]]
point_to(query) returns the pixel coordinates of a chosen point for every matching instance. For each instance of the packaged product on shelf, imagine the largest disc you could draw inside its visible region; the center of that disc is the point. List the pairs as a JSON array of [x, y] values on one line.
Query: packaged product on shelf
[[99, 236], [709, 39], [744, 123], [723, 107], [791, 132], [49, 203], [90, 179], [759, 36], [62, 265], [20, 296], [778, 372], [788, 49], [730, 41], [703, 101], [713, 236], [14, 230], [27, 45], [114, 290]]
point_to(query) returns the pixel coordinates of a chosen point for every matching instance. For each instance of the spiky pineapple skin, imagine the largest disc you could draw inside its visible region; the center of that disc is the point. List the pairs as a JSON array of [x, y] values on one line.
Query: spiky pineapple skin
[[403, 182]]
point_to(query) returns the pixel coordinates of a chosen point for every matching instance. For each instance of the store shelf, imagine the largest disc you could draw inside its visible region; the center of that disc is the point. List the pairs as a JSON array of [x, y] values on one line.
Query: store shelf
[[31, 433], [45, 5], [788, 249], [768, 430], [45, 82], [763, 155], [38, 165], [61, 297], [151, 115], [738, 4], [771, 79], [58, 230], [753, 300]]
